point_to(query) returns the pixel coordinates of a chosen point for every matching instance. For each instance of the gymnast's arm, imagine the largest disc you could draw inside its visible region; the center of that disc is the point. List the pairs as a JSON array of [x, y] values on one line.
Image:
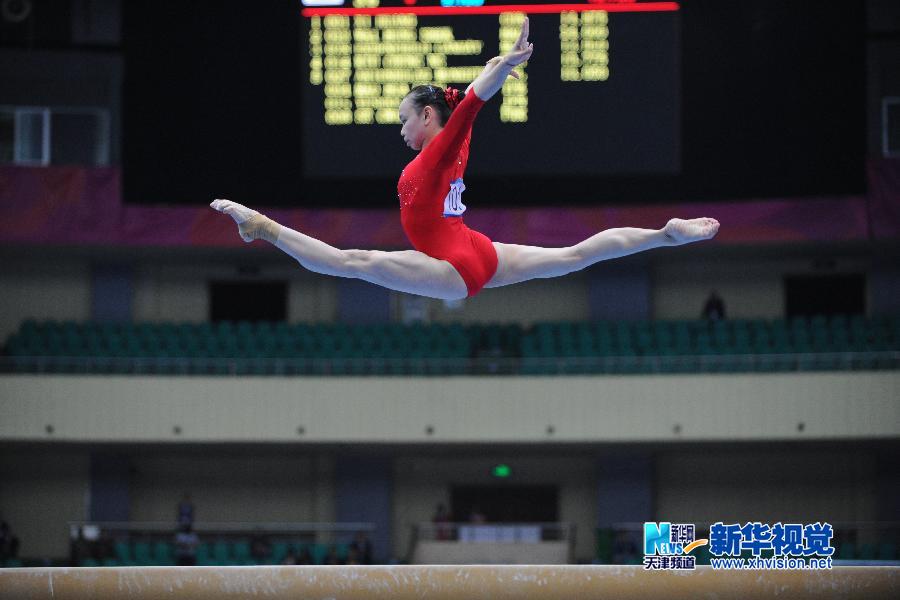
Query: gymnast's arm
[[498, 69], [444, 148], [488, 67]]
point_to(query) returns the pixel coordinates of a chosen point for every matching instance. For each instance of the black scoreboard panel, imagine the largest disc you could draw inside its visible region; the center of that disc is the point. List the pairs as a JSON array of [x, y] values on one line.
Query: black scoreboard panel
[[275, 103], [599, 97]]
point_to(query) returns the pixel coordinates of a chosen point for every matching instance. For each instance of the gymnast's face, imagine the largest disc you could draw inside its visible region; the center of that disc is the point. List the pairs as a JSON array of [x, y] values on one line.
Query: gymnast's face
[[415, 127]]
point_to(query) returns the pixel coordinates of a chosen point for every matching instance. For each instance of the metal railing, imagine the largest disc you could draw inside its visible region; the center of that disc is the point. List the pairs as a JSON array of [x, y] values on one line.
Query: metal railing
[[102, 542], [568, 365], [512, 533], [212, 528], [495, 532]]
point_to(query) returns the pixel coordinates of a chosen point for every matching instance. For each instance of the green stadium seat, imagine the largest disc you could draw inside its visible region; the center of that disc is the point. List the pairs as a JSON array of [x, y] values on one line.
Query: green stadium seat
[[604, 549], [318, 553], [222, 555], [241, 553], [123, 553], [342, 551], [163, 553], [279, 551], [846, 551], [867, 552], [887, 551], [204, 556], [142, 555], [818, 343]]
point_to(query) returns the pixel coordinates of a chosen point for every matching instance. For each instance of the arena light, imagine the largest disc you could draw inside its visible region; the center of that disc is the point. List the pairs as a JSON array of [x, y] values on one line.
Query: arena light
[[322, 2], [501, 471]]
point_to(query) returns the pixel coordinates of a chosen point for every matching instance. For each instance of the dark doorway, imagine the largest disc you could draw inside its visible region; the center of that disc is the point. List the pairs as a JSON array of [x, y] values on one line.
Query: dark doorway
[[256, 301], [825, 294], [506, 503]]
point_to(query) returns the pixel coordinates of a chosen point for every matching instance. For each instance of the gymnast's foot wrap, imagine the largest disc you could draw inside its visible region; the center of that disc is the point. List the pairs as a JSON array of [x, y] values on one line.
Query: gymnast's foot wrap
[[251, 224], [259, 227]]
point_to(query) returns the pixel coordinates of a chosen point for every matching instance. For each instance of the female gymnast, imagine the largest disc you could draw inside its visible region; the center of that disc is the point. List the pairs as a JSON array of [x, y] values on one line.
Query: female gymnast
[[451, 261]]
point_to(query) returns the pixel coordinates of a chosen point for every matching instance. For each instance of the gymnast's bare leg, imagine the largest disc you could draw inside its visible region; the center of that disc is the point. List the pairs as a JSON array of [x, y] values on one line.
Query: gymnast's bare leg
[[516, 263], [407, 271], [416, 273]]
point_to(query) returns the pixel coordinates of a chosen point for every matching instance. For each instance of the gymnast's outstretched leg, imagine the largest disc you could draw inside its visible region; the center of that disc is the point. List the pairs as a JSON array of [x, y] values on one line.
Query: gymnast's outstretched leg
[[404, 271], [516, 263]]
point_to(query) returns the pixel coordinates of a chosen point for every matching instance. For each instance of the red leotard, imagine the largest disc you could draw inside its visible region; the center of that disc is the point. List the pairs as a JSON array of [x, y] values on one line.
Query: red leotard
[[431, 207]]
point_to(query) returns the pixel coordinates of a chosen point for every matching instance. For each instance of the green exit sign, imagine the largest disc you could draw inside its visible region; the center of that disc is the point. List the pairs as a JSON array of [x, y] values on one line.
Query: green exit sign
[[502, 471]]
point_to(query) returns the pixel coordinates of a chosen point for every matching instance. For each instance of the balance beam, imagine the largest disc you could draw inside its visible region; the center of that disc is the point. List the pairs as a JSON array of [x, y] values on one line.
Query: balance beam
[[569, 582]]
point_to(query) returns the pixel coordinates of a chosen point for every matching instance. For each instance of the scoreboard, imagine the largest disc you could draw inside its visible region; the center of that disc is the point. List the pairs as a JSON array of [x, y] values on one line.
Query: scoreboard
[[623, 101], [599, 97]]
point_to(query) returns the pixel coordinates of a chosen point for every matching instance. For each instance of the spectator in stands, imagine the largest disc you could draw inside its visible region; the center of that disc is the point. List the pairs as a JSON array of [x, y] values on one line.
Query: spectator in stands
[[714, 308], [9, 543], [362, 548], [105, 546], [186, 546], [260, 547], [186, 511], [293, 558], [332, 558], [353, 556], [441, 520]]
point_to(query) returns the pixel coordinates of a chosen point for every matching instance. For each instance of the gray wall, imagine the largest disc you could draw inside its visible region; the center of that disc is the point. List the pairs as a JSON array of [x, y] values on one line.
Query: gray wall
[[787, 484], [229, 487], [41, 490], [832, 405]]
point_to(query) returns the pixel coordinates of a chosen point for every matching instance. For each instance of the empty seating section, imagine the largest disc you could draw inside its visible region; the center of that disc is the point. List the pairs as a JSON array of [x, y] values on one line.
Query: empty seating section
[[816, 343], [217, 553], [241, 348], [619, 347]]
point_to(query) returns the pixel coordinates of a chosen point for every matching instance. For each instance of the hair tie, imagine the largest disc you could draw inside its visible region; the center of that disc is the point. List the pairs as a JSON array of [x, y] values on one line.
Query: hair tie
[[451, 95]]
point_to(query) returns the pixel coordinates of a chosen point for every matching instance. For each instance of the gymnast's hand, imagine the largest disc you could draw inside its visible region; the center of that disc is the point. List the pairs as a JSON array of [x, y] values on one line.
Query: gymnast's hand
[[499, 59], [522, 50]]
